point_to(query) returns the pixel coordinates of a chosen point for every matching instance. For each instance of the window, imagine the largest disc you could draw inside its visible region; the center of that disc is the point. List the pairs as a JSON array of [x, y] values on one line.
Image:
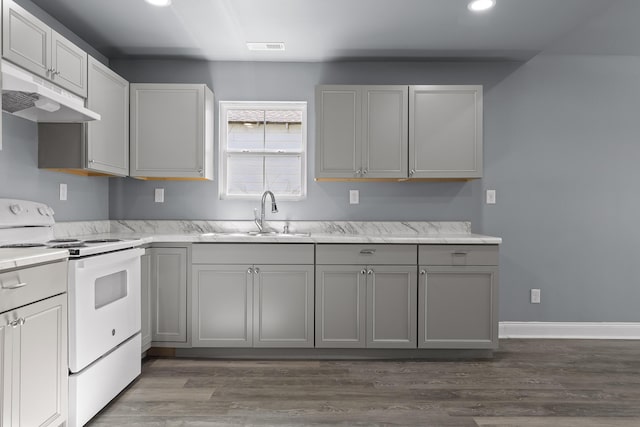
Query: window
[[263, 147]]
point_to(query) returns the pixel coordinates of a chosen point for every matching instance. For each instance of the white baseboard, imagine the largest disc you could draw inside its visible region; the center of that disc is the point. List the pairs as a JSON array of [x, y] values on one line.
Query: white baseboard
[[571, 330]]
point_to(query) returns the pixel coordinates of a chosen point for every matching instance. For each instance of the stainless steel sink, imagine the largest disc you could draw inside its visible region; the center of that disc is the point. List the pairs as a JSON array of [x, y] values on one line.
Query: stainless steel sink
[[254, 234]]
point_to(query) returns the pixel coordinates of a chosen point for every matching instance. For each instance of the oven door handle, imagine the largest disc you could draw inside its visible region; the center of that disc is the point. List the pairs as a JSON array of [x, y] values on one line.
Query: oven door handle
[[109, 258]]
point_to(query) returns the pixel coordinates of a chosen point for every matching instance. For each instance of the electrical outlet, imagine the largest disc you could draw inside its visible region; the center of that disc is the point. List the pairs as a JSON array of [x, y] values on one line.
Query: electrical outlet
[[159, 195], [535, 296], [491, 197], [63, 191], [354, 197]]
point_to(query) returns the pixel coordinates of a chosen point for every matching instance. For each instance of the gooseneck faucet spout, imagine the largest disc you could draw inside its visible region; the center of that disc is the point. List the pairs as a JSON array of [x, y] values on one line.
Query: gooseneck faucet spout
[[274, 209]]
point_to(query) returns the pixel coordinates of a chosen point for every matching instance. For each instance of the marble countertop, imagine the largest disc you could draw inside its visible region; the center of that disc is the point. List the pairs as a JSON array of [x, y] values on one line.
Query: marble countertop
[[24, 257], [301, 232]]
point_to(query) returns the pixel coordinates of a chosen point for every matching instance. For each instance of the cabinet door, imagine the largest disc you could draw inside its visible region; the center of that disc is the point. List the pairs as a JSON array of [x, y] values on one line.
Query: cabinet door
[[169, 294], [40, 374], [108, 138], [392, 300], [283, 306], [222, 306], [26, 41], [338, 130], [145, 300], [5, 370], [445, 131], [69, 64], [385, 149], [340, 306], [168, 131], [458, 307]]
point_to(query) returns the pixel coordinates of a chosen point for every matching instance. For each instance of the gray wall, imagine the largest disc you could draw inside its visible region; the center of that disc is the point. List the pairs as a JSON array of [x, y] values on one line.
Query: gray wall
[[20, 178], [243, 81]]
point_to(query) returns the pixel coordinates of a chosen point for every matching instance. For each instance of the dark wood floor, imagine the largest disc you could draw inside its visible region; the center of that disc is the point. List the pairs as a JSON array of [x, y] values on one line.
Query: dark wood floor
[[528, 383]]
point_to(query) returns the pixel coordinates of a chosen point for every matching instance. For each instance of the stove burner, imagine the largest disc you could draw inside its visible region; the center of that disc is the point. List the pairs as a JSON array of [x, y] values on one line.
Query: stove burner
[[23, 245], [54, 241], [102, 241], [68, 245]]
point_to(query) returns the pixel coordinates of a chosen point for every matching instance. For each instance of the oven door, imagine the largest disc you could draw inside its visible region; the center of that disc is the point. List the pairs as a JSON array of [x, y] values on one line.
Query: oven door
[[104, 304]]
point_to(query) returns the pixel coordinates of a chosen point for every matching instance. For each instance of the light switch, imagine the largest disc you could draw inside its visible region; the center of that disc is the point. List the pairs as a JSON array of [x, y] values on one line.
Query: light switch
[[159, 195], [354, 197], [491, 197], [63, 191]]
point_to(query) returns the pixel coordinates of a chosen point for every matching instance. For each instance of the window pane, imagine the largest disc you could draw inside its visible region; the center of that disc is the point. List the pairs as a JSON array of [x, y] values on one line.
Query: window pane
[[245, 130], [284, 130], [284, 175], [245, 175]]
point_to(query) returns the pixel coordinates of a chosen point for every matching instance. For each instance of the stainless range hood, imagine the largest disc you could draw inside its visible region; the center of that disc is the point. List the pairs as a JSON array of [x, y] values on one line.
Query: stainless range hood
[[33, 98]]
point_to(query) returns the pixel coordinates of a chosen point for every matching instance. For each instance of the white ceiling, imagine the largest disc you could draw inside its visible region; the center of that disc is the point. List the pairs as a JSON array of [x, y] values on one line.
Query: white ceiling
[[323, 30]]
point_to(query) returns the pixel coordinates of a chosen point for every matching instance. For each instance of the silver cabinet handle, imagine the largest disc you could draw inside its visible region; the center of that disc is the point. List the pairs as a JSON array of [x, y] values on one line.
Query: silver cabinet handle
[[363, 271], [459, 253], [365, 171], [423, 272], [359, 172], [16, 286], [17, 322], [200, 171], [370, 272], [249, 270], [412, 172], [367, 251], [256, 270]]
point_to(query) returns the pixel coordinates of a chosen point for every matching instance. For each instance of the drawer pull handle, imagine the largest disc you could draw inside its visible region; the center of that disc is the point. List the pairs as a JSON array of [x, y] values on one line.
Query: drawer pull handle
[[15, 286], [460, 253], [423, 272], [368, 251], [363, 271], [370, 272]]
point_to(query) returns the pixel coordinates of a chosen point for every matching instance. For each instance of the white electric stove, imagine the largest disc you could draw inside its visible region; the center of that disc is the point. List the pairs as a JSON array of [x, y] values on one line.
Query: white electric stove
[[104, 304]]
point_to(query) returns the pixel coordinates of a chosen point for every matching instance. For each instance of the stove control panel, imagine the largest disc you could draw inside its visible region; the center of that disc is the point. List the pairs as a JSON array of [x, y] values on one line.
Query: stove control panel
[[23, 213]]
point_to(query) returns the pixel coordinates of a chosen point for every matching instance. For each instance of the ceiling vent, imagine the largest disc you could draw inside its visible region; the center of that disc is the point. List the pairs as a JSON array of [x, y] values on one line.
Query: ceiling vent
[[265, 46]]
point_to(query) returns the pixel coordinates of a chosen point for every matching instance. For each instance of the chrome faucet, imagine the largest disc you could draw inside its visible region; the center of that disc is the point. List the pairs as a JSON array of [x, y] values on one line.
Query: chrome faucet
[[274, 209]]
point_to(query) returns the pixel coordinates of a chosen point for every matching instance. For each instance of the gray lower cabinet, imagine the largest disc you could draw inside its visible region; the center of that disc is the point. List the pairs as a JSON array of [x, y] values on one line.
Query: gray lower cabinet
[[252, 295], [171, 131], [33, 45], [33, 369], [366, 306], [145, 300], [458, 297], [371, 305], [168, 272]]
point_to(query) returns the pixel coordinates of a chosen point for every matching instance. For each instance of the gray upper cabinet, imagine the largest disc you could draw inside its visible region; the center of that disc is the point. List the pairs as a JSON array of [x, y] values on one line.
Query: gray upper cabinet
[[361, 132], [398, 132], [171, 131], [31, 44], [445, 131], [99, 147], [108, 138]]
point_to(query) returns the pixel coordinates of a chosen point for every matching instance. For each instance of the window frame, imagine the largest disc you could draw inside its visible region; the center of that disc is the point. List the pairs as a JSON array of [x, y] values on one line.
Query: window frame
[[223, 153]]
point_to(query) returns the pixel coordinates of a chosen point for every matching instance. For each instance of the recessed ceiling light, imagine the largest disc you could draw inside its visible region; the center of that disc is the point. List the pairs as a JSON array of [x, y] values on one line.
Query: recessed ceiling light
[[159, 3], [265, 46], [481, 5]]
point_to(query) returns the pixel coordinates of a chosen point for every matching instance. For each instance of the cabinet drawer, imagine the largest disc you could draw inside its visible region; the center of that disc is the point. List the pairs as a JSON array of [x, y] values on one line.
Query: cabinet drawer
[[21, 287], [458, 255], [252, 253], [366, 254]]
